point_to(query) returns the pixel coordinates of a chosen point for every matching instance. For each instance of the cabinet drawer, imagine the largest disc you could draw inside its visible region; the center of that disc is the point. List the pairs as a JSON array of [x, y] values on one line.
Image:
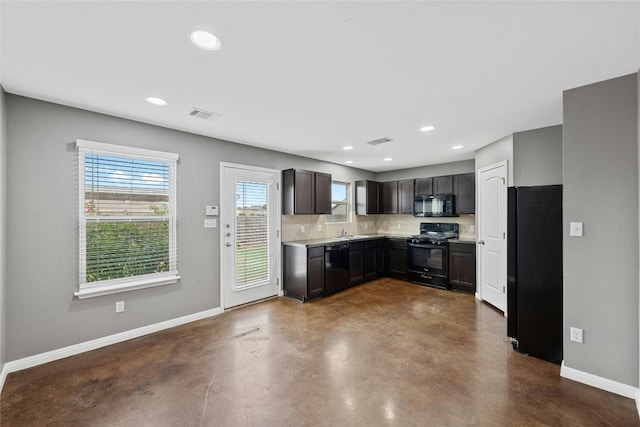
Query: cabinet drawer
[[356, 246], [469, 248], [314, 252]]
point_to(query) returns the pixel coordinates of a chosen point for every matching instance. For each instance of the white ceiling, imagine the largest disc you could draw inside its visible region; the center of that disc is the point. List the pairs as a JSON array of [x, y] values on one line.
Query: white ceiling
[[310, 77]]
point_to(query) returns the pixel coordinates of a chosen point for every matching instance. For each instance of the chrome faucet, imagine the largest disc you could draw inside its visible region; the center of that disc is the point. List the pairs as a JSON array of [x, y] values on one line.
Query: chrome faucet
[[343, 233]]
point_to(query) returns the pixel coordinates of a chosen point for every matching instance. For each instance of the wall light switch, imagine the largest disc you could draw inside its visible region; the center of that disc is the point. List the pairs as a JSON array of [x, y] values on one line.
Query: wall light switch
[[472, 229], [210, 223], [211, 210], [575, 229]]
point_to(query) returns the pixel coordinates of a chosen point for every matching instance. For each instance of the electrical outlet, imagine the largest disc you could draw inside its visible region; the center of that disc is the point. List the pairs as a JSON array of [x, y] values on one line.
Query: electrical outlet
[[472, 229], [319, 227], [576, 335], [302, 229], [366, 225], [119, 306], [399, 225]]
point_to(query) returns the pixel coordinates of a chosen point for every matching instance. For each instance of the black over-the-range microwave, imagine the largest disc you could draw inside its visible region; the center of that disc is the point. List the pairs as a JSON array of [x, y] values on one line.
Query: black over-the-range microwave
[[434, 205]]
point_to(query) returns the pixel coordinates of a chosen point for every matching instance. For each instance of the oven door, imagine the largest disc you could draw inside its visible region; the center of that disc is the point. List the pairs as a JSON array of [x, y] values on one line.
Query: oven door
[[428, 264]]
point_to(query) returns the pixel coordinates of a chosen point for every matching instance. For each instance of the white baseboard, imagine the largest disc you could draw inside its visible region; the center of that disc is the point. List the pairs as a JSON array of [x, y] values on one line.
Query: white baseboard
[[601, 383], [72, 350], [3, 375], [638, 402]]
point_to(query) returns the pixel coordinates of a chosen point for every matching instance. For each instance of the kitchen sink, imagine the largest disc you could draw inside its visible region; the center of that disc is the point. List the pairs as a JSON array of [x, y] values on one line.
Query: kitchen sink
[[355, 236]]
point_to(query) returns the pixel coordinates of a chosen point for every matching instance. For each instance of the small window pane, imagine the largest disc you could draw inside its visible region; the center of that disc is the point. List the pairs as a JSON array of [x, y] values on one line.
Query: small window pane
[[340, 205]]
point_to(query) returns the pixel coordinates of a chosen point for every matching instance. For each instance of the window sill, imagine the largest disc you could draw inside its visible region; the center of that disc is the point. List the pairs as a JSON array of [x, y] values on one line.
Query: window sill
[[125, 286]]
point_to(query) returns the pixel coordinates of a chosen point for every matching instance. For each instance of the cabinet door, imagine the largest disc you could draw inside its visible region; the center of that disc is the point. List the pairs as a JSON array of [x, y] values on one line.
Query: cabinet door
[[405, 196], [389, 193], [315, 276], [398, 258], [462, 267], [373, 197], [424, 186], [443, 184], [369, 260], [380, 257], [322, 193], [356, 267], [464, 188]]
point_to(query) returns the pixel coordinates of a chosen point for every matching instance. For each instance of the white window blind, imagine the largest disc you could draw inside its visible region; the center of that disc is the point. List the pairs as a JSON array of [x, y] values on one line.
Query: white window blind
[[127, 218], [252, 235]]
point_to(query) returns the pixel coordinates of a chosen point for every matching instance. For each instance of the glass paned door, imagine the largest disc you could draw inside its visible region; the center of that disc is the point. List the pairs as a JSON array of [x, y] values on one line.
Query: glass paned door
[[250, 240]]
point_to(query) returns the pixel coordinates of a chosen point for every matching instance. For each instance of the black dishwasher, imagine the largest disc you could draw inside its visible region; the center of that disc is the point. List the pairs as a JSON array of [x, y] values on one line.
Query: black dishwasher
[[336, 267]]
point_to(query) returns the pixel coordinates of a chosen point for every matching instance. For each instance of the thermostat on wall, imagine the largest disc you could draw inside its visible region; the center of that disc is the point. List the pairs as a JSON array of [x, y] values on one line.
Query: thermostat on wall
[[211, 210]]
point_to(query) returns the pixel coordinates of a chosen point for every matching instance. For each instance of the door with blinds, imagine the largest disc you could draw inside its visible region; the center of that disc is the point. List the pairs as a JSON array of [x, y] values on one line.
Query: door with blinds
[[250, 236]]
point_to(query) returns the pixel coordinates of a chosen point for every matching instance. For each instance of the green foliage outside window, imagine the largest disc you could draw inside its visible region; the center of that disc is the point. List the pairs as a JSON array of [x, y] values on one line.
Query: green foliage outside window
[[123, 249]]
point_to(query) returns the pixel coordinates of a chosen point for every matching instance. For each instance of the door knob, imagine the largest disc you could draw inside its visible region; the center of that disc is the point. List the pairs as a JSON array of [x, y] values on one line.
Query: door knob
[[228, 244], [481, 242]]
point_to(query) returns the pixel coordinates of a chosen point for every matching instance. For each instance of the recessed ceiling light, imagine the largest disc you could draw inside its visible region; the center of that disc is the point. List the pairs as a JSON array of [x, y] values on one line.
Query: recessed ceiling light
[[347, 147], [457, 147], [205, 40], [427, 128], [349, 162], [156, 101], [387, 159]]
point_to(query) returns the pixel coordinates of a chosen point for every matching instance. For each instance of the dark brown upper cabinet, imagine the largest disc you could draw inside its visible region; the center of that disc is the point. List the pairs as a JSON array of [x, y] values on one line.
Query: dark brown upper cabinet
[[367, 197], [305, 192], [443, 184], [464, 188], [423, 186], [323, 193], [405, 196], [389, 193]]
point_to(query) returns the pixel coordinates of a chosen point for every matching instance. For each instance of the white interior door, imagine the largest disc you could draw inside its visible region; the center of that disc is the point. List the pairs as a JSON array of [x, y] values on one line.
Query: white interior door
[[492, 234], [250, 235]]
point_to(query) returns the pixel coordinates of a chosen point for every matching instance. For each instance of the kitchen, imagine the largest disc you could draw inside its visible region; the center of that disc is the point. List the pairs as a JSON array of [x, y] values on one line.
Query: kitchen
[[589, 157]]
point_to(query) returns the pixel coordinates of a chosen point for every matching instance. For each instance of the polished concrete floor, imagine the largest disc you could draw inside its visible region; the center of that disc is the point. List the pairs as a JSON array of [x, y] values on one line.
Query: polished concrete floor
[[384, 353]]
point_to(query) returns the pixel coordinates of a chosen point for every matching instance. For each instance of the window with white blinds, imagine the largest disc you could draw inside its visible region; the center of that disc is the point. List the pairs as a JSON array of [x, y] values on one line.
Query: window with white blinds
[[252, 235], [127, 218], [340, 205]]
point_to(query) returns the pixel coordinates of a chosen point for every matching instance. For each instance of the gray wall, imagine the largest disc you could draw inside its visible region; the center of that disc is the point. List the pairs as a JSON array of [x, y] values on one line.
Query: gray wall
[[495, 152], [3, 224], [453, 168], [537, 156], [42, 247], [601, 189]]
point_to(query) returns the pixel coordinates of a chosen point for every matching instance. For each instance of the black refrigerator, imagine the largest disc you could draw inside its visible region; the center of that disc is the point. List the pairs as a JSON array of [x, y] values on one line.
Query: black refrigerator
[[534, 270]]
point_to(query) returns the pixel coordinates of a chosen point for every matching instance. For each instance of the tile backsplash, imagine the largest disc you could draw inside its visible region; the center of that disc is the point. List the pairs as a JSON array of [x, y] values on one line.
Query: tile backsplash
[[304, 227]]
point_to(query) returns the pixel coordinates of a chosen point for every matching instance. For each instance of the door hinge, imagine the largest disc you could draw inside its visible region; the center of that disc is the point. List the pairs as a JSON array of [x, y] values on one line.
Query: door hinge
[[277, 233], [504, 235], [504, 291], [277, 186]]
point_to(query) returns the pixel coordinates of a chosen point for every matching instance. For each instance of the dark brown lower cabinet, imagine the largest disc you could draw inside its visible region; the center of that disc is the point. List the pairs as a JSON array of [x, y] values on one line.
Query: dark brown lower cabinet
[[369, 260], [356, 263], [397, 258], [462, 267], [380, 257], [303, 272]]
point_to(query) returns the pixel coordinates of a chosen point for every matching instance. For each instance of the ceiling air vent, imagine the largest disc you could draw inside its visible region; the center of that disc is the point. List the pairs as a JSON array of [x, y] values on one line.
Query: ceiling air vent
[[379, 141], [202, 114]]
